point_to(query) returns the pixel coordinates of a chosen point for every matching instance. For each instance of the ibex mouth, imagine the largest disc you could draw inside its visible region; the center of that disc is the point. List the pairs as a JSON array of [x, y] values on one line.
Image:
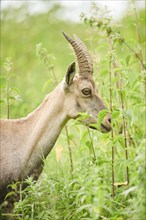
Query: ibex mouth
[[105, 129]]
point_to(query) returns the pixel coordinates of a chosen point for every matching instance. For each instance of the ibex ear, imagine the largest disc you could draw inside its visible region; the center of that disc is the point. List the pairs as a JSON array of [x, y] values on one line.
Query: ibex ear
[[70, 73]]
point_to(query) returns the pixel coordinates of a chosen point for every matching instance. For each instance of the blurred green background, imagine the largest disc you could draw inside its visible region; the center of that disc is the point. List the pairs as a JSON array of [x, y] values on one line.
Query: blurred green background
[[21, 32]]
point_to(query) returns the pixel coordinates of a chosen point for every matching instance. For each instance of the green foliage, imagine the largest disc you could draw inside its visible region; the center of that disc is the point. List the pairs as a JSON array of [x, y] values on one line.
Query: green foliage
[[87, 194], [9, 94]]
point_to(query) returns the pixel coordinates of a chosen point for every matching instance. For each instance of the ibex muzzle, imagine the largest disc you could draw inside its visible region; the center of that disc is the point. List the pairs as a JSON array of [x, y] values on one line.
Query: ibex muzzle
[[24, 142]]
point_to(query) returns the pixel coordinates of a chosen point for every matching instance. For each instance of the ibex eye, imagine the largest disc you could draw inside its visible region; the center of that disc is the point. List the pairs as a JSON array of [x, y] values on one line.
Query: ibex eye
[[86, 91]]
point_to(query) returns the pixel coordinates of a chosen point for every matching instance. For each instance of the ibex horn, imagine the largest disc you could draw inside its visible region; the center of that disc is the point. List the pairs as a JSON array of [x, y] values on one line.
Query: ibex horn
[[83, 57]]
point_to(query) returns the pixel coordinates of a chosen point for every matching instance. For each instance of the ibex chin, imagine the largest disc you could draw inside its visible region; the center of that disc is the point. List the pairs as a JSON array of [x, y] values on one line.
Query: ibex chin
[[24, 142]]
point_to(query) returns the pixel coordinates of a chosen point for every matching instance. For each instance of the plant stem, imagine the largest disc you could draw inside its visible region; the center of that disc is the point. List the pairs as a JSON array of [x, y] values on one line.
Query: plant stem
[[139, 40], [92, 146], [131, 141], [54, 75], [70, 152], [130, 48], [7, 97], [125, 134], [21, 198], [115, 75], [111, 109], [138, 32], [142, 64]]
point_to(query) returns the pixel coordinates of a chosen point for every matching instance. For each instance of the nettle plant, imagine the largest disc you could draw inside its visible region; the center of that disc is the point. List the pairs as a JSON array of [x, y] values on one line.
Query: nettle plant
[[9, 94], [126, 96]]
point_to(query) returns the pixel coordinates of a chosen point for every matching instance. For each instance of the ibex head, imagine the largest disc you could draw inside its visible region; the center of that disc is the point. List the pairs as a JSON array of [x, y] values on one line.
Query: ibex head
[[80, 88]]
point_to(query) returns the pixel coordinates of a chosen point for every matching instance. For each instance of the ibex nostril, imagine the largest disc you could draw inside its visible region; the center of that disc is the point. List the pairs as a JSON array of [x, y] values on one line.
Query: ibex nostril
[[109, 120]]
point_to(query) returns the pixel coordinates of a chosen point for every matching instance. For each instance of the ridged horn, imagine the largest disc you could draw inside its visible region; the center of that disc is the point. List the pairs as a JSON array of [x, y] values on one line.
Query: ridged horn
[[84, 59]]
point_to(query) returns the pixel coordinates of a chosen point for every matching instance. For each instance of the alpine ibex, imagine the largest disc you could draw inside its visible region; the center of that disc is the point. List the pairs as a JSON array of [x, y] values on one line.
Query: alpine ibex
[[24, 142]]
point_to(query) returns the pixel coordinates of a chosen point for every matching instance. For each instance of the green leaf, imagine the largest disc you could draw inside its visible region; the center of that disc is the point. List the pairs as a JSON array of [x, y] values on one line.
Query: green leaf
[[115, 114], [83, 116], [123, 94], [101, 116], [10, 194], [118, 138], [127, 114], [128, 59], [12, 97], [17, 98], [89, 145], [131, 189], [84, 207], [2, 101], [2, 81], [16, 90], [46, 84]]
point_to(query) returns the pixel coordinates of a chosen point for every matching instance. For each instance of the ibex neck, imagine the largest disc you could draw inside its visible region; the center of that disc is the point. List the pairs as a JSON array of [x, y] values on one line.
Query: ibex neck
[[48, 120]]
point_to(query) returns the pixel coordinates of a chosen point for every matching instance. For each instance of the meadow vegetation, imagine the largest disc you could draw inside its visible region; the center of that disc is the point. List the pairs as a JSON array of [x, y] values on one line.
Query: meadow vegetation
[[88, 174]]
